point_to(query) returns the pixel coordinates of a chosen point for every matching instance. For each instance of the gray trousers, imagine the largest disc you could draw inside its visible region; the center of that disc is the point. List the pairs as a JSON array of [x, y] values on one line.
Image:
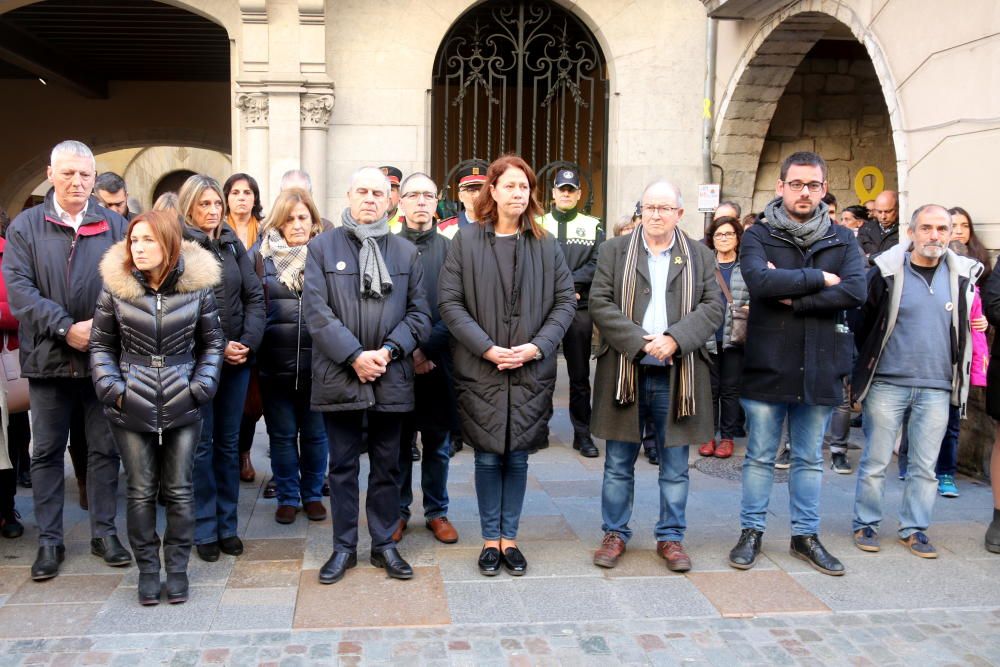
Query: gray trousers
[[52, 403]]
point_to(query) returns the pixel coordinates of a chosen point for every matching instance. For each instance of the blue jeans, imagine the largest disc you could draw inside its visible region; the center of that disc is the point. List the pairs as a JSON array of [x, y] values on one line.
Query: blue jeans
[[885, 406], [436, 443], [299, 449], [217, 458], [618, 487], [806, 426], [500, 483]]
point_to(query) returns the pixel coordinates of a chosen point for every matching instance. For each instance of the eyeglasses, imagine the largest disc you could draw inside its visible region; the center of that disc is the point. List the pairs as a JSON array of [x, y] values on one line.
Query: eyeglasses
[[423, 195], [724, 235], [662, 210], [796, 186]]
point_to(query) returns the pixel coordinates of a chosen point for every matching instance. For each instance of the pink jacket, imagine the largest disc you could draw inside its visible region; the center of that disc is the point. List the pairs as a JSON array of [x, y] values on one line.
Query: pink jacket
[[980, 348]]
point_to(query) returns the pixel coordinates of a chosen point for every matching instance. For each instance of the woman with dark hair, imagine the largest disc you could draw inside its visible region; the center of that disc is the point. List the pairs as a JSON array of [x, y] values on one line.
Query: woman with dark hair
[[155, 352], [724, 235], [853, 217], [299, 447], [507, 297], [963, 231], [241, 311]]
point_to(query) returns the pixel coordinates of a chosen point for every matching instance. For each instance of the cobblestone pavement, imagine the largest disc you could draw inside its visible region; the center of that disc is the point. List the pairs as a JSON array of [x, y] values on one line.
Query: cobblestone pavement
[[266, 607]]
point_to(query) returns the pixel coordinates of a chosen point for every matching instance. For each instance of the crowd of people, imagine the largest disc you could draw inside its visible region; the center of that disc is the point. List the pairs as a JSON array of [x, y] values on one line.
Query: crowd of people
[[157, 341]]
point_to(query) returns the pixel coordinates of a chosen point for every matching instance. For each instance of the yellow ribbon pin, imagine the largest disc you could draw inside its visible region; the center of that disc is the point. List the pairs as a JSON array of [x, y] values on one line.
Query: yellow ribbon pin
[[878, 183], [678, 260], [706, 108]]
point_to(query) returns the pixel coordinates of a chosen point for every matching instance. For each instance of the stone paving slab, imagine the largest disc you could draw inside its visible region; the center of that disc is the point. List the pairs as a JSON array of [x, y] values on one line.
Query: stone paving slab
[[756, 592]]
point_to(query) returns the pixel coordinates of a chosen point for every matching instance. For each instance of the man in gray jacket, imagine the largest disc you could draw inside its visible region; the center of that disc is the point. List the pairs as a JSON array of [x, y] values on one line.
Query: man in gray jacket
[[656, 302]]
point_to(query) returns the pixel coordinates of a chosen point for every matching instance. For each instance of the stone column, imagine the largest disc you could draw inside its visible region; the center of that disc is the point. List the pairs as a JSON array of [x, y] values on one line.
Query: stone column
[[315, 113], [254, 115]]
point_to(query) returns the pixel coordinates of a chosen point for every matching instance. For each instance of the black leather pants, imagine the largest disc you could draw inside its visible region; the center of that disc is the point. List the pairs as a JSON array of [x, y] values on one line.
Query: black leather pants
[[148, 467]]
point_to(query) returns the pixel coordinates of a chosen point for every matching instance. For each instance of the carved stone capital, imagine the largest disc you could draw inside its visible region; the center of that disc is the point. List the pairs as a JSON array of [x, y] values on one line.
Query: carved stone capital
[[254, 108], [315, 110]]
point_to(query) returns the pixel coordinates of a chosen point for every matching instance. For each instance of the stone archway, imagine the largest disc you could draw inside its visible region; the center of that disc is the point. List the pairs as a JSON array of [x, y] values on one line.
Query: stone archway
[[149, 167], [760, 78]]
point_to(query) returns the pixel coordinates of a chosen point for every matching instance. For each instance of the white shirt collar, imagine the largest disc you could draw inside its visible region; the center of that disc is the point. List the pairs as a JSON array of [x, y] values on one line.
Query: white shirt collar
[[670, 247], [73, 221]]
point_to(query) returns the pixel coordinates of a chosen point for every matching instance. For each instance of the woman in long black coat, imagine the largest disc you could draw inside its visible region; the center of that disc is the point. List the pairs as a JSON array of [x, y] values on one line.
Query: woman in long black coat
[[507, 296], [155, 352]]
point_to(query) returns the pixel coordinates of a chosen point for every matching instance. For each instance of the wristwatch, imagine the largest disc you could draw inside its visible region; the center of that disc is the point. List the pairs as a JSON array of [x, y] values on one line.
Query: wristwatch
[[538, 355], [393, 351]]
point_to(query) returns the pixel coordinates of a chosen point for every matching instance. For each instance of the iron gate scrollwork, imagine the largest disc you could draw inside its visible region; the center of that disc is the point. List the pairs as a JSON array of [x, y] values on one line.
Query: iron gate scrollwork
[[523, 77]]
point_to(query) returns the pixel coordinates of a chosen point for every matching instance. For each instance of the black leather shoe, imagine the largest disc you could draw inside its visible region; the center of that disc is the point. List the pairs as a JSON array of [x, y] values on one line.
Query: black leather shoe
[[177, 587], [231, 545], [744, 554], [149, 588], [271, 489], [111, 550], [585, 445], [10, 525], [514, 561], [489, 561], [334, 568], [208, 552], [393, 564], [47, 561], [809, 549]]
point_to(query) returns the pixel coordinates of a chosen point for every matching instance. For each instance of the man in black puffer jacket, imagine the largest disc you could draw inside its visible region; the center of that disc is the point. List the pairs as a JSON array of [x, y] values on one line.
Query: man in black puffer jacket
[[433, 392], [366, 312], [50, 267]]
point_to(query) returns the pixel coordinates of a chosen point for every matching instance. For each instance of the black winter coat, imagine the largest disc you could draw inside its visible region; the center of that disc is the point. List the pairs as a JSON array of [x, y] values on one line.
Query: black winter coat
[[873, 242], [797, 353], [179, 320], [286, 350], [52, 282], [432, 248], [343, 324], [493, 403], [238, 295]]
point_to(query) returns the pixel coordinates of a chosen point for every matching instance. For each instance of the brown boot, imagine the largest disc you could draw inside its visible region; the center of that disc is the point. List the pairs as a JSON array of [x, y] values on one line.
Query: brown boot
[[314, 510], [397, 534], [673, 552], [611, 550], [81, 485], [247, 473], [443, 530]]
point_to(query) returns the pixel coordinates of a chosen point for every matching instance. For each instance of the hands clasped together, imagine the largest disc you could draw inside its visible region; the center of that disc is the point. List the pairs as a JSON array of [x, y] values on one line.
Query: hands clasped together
[[510, 358]]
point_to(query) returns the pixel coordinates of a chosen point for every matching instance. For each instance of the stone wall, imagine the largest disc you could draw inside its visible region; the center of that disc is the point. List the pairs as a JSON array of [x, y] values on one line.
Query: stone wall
[[833, 105]]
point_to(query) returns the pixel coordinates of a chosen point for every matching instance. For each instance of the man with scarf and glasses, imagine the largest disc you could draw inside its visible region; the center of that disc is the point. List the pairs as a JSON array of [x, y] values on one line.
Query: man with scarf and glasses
[[656, 302], [802, 272], [366, 311]]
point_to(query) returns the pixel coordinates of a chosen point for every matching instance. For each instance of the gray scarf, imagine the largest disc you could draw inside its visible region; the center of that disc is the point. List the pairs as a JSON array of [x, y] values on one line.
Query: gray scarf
[[803, 234], [375, 278]]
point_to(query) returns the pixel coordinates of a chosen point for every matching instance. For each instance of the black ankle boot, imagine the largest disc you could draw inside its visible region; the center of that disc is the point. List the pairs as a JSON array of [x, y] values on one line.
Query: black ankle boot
[[744, 554], [149, 588], [809, 549], [177, 587]]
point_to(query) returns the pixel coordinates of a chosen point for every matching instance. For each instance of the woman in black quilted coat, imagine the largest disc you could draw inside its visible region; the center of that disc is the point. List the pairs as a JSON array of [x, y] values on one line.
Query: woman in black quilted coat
[[156, 349]]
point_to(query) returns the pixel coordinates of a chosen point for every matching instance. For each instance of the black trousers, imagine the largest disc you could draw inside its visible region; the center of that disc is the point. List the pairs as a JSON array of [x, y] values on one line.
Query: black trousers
[[150, 467], [52, 405], [344, 432], [576, 349], [726, 370], [78, 443], [18, 437]]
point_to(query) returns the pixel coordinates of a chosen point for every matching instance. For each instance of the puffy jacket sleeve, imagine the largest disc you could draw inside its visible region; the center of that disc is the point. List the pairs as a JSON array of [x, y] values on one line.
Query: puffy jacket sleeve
[[38, 314], [766, 283], [564, 303], [209, 345], [848, 293], [329, 334], [252, 295], [105, 350], [692, 330], [617, 328], [451, 303], [416, 323]]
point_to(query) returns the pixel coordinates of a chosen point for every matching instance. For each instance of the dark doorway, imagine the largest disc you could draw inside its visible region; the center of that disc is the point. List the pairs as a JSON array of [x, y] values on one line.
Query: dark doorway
[[523, 77], [172, 182]]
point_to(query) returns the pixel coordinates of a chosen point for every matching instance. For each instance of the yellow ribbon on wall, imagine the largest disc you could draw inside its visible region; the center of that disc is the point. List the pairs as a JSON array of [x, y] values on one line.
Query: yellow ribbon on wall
[[878, 183]]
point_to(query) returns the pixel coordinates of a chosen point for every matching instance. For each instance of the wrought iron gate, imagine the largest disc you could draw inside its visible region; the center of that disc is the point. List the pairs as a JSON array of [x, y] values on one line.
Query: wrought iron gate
[[525, 77]]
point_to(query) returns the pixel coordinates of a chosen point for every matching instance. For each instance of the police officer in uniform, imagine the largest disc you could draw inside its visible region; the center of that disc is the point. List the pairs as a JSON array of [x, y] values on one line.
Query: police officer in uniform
[[579, 236], [470, 181], [395, 176]]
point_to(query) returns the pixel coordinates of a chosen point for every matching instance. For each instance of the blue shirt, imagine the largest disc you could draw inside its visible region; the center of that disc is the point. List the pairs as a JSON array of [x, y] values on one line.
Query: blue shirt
[[654, 320]]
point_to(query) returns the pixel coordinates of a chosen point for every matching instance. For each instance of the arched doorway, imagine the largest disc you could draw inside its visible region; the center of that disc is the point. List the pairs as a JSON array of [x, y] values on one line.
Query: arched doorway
[[524, 77], [810, 80], [171, 182]]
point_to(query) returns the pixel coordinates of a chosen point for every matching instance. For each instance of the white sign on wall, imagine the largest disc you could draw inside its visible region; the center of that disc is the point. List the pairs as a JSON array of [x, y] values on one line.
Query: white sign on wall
[[708, 197]]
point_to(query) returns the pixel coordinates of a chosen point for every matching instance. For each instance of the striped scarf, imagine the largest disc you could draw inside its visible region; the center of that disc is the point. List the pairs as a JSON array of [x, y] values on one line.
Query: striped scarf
[[625, 387]]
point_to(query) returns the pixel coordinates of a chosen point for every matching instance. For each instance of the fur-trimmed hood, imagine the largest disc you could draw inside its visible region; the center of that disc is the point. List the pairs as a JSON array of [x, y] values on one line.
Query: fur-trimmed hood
[[196, 270]]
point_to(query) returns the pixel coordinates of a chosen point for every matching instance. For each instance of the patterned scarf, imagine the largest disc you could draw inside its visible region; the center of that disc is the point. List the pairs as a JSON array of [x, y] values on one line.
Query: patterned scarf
[[803, 234], [290, 261], [375, 277], [625, 387]]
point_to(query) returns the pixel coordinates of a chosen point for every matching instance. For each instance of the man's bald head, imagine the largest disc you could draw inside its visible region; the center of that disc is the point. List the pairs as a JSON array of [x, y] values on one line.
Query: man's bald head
[[887, 208]]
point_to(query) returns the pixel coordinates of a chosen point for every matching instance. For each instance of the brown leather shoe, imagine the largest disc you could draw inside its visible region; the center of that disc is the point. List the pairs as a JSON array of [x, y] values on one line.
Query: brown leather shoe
[[444, 530], [315, 511], [725, 449], [673, 552], [611, 550], [247, 473], [81, 485], [397, 535], [285, 513], [708, 448]]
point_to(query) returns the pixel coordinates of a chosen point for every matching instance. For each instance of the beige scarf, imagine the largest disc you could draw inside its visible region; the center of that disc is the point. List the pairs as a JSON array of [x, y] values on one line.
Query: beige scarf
[[625, 387]]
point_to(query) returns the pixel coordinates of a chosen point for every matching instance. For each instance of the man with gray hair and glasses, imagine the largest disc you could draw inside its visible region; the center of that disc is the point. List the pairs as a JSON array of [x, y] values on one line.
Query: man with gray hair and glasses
[[915, 355], [51, 270]]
